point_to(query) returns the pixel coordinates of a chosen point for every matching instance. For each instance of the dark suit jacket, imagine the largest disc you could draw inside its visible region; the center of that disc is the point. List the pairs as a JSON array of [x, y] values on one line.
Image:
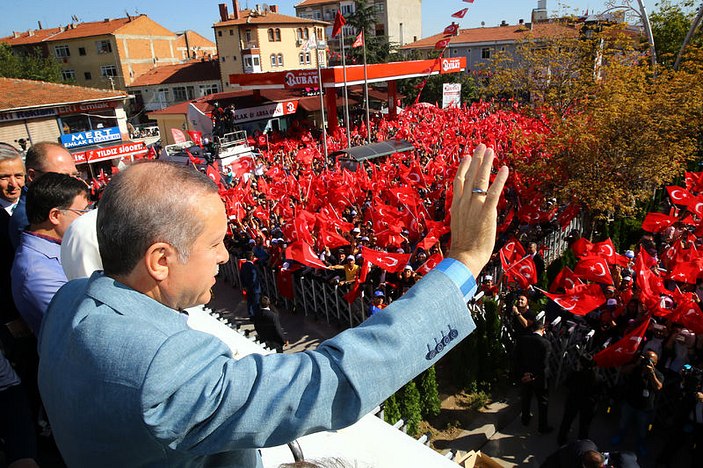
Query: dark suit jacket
[[8, 311], [569, 455], [532, 355], [268, 327], [250, 277]]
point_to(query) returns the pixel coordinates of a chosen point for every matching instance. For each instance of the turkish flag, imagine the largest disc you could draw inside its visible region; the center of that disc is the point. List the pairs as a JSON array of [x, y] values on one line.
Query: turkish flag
[[439, 45], [242, 165], [580, 300], [460, 13], [284, 282], [570, 212], [193, 159], [686, 272], [694, 181], [354, 292], [695, 206], [524, 272], [679, 195], [582, 247], [606, 249], [329, 238], [359, 41], [623, 350], [339, 21], [214, 175], [196, 137], [390, 262], [451, 30], [510, 252], [431, 262], [178, 136], [689, 315], [594, 268], [657, 222], [565, 279], [303, 253]]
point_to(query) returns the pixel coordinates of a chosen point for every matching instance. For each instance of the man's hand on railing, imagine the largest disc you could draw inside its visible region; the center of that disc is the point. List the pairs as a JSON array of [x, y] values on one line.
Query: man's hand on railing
[[474, 209]]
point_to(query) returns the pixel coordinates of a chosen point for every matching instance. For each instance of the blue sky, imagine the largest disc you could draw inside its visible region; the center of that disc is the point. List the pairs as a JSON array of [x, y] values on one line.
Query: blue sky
[[199, 15]]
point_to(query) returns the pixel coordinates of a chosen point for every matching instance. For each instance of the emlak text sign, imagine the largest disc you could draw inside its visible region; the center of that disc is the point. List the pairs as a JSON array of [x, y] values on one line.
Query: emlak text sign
[[268, 111], [102, 135]]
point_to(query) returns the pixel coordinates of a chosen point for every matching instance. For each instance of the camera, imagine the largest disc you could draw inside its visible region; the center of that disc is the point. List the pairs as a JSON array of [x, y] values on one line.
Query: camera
[[691, 378]]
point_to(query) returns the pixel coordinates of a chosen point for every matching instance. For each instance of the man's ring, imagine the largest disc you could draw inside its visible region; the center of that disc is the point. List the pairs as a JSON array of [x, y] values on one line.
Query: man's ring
[[479, 191]]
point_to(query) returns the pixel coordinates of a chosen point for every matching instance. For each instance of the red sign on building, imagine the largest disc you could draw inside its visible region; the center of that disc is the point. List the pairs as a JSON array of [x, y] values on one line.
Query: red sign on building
[[111, 152], [453, 65], [301, 79], [85, 107]]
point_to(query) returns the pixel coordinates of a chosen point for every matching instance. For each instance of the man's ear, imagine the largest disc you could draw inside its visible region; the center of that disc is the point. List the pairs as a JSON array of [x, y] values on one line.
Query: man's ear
[[31, 174], [157, 259], [53, 218]]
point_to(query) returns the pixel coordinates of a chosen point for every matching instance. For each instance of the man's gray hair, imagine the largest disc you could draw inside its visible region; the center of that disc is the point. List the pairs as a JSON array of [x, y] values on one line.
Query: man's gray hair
[[8, 152], [149, 202]]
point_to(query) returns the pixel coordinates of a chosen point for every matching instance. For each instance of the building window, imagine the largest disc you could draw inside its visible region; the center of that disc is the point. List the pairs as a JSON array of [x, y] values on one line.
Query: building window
[[87, 76], [270, 33], [219, 33], [380, 29], [163, 95], [280, 60], [318, 15], [486, 53], [247, 62], [208, 89], [180, 94], [307, 58], [274, 62], [231, 32], [347, 9], [81, 51], [301, 58], [108, 70], [68, 75], [299, 33], [306, 33], [62, 51], [256, 61], [247, 35], [223, 58], [104, 47], [277, 34]]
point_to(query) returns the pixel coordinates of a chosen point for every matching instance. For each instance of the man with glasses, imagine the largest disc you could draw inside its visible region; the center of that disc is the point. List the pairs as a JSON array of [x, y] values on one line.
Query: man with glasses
[[41, 158], [54, 201]]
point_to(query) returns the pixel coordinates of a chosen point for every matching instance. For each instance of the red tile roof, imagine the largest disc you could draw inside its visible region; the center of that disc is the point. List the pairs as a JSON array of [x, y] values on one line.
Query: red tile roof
[[307, 3], [72, 31], [188, 72], [19, 94], [194, 40], [499, 33], [246, 17]]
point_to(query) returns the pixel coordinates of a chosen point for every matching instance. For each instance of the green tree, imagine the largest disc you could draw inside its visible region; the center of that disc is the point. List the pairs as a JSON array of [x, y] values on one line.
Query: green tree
[[411, 408], [670, 24], [31, 66], [378, 48], [391, 410], [429, 393], [432, 91]]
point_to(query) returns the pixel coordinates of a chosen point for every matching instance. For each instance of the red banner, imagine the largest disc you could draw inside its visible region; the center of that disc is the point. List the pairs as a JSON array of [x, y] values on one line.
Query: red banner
[[137, 148], [453, 65], [301, 79]]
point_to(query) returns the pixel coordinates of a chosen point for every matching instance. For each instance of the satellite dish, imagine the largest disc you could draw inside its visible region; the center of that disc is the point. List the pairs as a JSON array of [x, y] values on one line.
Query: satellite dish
[[265, 7], [483, 23]]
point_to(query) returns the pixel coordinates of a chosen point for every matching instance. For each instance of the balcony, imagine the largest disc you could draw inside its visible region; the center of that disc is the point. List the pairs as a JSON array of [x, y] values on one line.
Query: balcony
[[248, 46]]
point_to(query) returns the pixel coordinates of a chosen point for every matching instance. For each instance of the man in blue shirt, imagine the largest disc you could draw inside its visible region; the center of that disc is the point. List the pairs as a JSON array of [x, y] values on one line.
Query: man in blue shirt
[[41, 158], [133, 385], [54, 201]]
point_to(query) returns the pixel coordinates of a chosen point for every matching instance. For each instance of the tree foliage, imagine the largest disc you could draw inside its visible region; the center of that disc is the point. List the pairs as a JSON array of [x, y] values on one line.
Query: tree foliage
[[411, 408], [429, 393], [391, 409], [617, 130], [432, 91], [378, 48], [670, 24], [31, 66]]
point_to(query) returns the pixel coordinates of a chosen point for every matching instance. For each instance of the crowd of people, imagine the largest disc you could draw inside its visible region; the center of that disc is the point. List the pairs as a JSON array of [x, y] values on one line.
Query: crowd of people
[[382, 228]]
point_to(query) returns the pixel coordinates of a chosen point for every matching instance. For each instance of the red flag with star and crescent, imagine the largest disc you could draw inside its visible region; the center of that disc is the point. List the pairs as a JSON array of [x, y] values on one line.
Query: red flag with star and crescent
[[594, 268], [524, 272], [303, 253], [430, 263], [390, 262], [565, 279], [460, 14], [657, 222], [623, 350], [580, 300]]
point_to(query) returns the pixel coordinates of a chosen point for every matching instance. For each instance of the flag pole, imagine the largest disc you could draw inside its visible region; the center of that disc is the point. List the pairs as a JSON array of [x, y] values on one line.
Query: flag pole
[[346, 94], [366, 91], [322, 98]]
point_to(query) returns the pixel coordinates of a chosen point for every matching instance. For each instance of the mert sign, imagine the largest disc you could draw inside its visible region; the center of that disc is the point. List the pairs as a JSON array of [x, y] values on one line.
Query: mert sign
[[103, 135], [453, 65], [301, 79]]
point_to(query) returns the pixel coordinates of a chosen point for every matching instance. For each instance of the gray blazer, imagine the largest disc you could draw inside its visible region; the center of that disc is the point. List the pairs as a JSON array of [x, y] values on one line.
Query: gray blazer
[[126, 383]]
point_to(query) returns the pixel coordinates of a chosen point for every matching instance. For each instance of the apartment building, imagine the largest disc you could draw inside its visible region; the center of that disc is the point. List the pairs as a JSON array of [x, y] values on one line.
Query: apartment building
[[165, 86], [105, 54], [400, 20], [263, 40], [191, 45]]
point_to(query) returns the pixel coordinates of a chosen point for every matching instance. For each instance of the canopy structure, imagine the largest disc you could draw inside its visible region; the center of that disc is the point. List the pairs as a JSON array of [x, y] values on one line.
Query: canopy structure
[[351, 157], [334, 77]]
